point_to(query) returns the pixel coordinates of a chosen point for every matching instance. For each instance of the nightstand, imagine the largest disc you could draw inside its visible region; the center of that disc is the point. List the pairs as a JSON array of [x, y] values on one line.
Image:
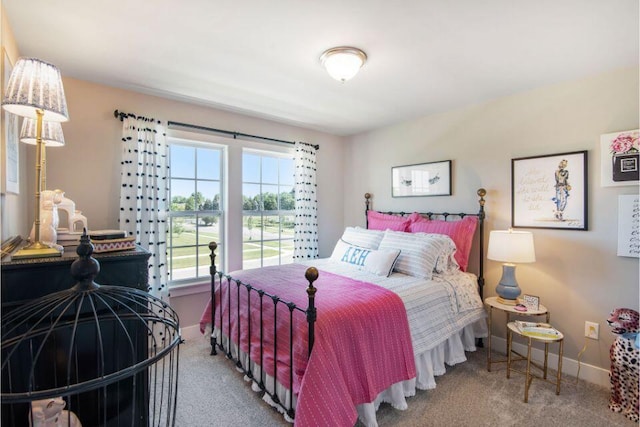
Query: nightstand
[[493, 303], [513, 329]]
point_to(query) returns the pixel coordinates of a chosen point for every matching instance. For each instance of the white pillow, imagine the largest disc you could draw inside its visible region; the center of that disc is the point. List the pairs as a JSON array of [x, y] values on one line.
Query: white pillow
[[362, 237], [419, 252], [380, 262]]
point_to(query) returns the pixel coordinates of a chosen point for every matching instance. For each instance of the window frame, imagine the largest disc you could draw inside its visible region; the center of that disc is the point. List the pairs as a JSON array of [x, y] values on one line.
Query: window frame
[[289, 155], [220, 212], [229, 251]]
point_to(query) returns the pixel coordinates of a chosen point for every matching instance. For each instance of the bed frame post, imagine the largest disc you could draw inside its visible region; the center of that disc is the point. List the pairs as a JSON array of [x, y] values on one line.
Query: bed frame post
[[481, 215], [311, 275], [212, 273], [367, 198]]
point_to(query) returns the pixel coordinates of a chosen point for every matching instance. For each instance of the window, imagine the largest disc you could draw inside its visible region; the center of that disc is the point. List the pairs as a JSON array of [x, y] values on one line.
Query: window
[[195, 216], [268, 208]]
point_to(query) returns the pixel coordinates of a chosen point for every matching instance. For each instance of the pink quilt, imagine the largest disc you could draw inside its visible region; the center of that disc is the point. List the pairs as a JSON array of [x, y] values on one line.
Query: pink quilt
[[362, 340]]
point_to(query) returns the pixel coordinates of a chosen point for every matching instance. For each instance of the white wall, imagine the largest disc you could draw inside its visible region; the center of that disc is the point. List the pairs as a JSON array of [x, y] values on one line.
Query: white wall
[[577, 274]]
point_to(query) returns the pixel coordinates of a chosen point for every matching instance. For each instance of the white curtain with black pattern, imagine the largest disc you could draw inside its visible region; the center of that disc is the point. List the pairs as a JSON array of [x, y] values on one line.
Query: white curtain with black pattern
[[305, 238], [144, 194]]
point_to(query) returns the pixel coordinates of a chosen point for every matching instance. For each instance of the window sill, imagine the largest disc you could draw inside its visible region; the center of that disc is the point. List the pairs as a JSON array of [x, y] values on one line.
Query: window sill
[[189, 289]]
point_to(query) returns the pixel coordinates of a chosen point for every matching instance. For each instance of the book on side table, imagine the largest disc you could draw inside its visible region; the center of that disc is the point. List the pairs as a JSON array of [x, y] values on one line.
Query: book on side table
[[106, 234], [537, 329]]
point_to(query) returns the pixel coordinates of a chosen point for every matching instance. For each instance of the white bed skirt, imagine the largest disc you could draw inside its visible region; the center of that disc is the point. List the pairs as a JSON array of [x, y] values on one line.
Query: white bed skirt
[[429, 364]]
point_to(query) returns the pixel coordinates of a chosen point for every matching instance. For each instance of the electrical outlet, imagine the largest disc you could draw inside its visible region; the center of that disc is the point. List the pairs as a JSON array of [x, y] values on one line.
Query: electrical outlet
[[591, 330]]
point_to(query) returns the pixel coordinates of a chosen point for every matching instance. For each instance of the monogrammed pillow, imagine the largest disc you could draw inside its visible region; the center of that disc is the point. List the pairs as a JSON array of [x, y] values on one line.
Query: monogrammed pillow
[[380, 262]]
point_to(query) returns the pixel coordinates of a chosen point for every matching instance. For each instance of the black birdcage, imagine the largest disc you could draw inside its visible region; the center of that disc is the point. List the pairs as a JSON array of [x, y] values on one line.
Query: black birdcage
[[109, 354]]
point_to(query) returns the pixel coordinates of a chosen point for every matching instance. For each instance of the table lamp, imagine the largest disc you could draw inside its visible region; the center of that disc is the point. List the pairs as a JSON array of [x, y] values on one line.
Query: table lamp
[[35, 91], [510, 247], [52, 136]]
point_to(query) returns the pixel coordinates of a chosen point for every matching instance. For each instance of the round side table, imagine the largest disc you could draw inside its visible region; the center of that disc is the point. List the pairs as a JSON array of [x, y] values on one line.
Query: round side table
[[513, 329], [492, 303]]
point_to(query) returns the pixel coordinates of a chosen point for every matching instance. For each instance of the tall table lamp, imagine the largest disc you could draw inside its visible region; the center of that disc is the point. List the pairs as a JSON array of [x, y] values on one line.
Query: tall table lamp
[[52, 136], [35, 91], [510, 247]]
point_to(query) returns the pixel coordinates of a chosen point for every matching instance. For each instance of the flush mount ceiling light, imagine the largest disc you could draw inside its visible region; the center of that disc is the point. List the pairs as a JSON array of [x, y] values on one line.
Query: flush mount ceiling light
[[342, 63]]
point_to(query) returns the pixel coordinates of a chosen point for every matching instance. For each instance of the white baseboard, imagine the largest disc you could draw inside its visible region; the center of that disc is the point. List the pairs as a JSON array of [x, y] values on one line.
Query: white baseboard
[[590, 373]]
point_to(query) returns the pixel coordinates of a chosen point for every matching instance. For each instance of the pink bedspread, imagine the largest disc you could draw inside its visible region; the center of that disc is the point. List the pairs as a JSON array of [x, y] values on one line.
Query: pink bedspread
[[362, 341]]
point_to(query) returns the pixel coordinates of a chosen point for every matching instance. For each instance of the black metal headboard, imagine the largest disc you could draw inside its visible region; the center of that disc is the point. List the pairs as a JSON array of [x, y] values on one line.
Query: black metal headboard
[[451, 216]]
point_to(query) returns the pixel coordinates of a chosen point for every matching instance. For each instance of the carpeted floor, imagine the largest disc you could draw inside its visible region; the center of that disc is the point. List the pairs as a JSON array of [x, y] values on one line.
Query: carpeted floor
[[211, 393]]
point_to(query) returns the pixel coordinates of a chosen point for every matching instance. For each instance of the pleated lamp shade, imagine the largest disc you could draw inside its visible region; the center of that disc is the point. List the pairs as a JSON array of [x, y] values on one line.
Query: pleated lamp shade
[[52, 135], [36, 85]]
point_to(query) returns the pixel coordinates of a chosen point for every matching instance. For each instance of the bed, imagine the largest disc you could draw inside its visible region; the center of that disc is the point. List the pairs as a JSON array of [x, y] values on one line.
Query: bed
[[380, 318]]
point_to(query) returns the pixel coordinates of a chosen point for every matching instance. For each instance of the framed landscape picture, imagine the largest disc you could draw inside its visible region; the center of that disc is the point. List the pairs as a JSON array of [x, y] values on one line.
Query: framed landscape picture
[[424, 179], [550, 191]]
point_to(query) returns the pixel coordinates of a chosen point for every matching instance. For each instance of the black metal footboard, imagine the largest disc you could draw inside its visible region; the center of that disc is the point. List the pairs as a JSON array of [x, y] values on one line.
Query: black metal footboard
[[311, 274]]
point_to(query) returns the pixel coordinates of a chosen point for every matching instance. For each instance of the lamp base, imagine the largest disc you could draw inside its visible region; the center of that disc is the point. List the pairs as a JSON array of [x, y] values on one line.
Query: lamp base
[[505, 301], [36, 250]]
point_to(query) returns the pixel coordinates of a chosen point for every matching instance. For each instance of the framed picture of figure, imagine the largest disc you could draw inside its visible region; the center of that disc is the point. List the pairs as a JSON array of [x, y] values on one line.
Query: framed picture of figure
[[550, 191]]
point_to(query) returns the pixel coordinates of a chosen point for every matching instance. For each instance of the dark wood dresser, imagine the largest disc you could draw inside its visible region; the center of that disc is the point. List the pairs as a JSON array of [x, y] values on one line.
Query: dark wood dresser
[[28, 279]]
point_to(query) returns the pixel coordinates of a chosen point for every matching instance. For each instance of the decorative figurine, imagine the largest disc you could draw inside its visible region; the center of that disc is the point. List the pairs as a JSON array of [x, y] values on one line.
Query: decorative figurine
[[51, 413], [625, 357]]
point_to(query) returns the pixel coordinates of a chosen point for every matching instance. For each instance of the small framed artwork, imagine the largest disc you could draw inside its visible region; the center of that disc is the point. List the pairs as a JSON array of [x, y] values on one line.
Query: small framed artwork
[[550, 191], [10, 178], [424, 179], [619, 152], [531, 302]]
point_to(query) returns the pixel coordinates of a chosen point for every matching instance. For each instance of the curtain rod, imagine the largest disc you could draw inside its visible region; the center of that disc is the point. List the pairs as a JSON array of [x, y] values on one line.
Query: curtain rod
[[234, 134], [121, 115]]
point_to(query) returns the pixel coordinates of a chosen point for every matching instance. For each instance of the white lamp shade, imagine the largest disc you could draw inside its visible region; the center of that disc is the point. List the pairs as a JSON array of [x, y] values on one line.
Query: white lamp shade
[[511, 246], [343, 63], [52, 135], [36, 85]]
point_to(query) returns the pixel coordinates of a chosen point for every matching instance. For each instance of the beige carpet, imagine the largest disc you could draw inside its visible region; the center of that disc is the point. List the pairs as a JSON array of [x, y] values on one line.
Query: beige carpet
[[211, 393]]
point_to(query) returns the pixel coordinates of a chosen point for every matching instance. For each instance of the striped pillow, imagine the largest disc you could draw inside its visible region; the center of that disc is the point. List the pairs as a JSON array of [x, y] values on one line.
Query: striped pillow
[[419, 253], [362, 237], [460, 231], [446, 262]]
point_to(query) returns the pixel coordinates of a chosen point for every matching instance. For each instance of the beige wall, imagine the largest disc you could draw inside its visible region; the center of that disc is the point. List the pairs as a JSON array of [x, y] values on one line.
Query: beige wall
[[577, 274], [87, 168], [11, 205]]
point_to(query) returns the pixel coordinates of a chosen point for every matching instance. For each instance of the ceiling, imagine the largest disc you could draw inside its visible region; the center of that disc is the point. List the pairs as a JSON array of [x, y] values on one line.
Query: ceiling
[[261, 58]]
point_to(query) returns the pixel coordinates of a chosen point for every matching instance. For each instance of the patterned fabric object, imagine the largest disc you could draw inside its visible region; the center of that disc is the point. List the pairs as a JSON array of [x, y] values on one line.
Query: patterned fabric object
[[305, 238], [144, 194]]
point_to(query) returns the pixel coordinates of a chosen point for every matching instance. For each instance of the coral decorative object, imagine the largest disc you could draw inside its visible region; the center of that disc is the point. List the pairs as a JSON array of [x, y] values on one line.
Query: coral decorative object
[[625, 357]]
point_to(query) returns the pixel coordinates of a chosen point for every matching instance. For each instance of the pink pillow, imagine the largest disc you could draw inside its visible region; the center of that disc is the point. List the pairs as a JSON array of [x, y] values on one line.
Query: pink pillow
[[461, 232], [381, 221]]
